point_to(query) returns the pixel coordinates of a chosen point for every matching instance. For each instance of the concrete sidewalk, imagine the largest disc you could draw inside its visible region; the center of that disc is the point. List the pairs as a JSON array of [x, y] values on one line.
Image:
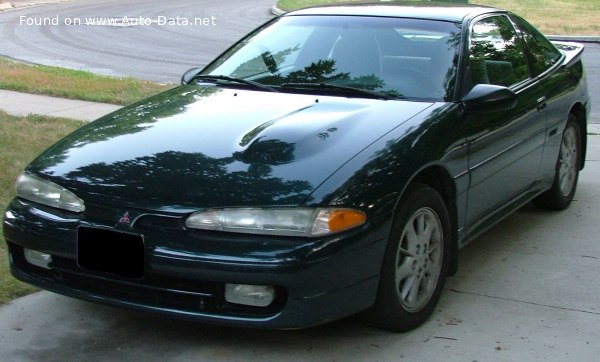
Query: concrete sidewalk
[[22, 104]]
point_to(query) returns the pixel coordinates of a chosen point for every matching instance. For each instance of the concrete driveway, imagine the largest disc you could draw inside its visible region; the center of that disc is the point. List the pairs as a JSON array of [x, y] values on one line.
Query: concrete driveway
[[528, 289]]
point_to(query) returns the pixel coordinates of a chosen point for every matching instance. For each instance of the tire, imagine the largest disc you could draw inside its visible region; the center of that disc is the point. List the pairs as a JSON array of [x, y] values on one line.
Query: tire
[[418, 250], [560, 195]]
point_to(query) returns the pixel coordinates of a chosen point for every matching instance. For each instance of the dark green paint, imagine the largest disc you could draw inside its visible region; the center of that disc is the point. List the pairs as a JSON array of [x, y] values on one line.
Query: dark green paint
[[204, 146]]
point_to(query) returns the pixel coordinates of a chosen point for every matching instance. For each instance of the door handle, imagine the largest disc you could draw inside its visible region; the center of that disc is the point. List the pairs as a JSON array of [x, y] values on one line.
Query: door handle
[[541, 104]]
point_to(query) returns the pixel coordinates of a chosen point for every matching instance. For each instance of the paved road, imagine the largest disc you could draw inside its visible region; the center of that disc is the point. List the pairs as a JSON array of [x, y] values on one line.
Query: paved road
[[159, 52]]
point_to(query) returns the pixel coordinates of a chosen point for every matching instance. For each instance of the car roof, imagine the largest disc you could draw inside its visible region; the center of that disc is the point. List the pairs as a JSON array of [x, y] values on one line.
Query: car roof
[[414, 10]]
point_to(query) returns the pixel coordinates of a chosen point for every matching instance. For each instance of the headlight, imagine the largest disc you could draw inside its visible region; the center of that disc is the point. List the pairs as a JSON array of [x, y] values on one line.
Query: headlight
[[44, 192], [282, 221]]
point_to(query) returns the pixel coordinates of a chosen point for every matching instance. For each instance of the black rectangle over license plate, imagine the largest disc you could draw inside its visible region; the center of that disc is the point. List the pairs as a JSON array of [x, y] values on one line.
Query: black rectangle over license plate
[[111, 252]]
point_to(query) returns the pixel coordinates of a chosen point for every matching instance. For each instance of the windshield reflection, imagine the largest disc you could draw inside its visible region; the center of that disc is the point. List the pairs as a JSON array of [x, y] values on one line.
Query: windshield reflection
[[393, 56]]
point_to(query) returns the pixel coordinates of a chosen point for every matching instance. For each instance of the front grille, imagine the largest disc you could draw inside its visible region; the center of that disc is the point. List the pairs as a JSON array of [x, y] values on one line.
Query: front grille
[[108, 216], [160, 222], [158, 291]]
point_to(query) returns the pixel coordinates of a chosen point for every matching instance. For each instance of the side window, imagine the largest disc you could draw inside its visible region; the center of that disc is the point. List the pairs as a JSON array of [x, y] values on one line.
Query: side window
[[544, 53], [497, 55]]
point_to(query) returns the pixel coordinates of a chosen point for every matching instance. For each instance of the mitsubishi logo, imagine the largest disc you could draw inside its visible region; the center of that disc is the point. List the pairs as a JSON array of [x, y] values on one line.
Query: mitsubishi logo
[[125, 219]]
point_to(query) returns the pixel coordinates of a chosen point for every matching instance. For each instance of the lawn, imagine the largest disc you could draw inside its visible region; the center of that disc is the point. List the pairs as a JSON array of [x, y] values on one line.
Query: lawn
[[21, 139], [76, 84], [564, 17]]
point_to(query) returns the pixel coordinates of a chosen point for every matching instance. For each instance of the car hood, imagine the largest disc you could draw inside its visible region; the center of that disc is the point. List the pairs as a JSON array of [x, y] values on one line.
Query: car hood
[[199, 147]]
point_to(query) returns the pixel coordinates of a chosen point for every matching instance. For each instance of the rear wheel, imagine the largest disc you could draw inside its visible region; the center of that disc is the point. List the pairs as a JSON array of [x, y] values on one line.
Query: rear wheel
[[567, 170], [415, 263]]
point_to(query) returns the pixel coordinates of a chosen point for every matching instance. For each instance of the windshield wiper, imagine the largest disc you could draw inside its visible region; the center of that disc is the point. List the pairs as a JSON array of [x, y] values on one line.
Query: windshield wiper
[[226, 78], [343, 88]]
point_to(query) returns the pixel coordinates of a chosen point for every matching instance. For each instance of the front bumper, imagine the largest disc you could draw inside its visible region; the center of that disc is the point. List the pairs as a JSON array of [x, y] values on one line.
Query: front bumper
[[185, 271]]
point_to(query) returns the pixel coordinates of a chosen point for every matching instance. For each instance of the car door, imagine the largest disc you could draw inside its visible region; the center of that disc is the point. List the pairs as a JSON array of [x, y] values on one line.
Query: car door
[[545, 60], [505, 148]]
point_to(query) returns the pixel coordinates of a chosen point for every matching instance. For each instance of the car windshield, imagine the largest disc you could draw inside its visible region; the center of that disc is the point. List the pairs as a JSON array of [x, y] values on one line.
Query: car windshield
[[397, 57]]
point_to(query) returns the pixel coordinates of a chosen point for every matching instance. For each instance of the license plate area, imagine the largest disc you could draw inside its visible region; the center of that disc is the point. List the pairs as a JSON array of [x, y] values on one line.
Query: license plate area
[[110, 251]]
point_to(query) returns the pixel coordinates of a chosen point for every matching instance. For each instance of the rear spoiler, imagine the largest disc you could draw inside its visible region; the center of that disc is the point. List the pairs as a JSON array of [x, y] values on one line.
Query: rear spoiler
[[572, 51]]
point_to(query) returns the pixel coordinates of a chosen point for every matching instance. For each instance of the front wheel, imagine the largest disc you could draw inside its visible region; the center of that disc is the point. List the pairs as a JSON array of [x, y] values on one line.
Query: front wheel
[[567, 170], [415, 262]]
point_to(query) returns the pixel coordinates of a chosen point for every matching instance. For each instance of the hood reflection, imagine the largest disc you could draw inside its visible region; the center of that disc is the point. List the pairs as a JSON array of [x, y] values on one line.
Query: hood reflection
[[195, 146]]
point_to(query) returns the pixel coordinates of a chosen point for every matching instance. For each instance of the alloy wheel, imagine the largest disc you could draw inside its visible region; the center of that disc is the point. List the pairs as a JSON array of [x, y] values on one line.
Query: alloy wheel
[[419, 259]]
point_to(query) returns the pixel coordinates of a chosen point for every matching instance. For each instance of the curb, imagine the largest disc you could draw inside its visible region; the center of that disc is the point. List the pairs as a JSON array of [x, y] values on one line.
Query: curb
[[577, 38], [593, 129], [15, 4], [275, 10]]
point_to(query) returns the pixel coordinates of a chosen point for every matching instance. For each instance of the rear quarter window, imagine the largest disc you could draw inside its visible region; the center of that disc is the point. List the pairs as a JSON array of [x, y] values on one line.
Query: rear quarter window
[[544, 54]]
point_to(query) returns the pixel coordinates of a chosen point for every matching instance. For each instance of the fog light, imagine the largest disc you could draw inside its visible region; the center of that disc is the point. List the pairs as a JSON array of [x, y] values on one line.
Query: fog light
[[38, 258], [254, 295]]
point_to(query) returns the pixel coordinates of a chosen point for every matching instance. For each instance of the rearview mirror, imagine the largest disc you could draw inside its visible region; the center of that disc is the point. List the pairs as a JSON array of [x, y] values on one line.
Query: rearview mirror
[[489, 98], [189, 75]]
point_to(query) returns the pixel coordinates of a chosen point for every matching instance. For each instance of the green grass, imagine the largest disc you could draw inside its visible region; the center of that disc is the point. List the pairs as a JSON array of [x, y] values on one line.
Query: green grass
[[75, 84], [564, 17], [21, 140]]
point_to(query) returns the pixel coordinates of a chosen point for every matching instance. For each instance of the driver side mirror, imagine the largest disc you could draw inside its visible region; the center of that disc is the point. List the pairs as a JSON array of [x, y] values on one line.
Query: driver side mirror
[[189, 75], [489, 98]]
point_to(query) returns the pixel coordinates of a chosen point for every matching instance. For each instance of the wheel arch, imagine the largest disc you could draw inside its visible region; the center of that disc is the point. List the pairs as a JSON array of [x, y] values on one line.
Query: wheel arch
[[437, 177], [578, 110]]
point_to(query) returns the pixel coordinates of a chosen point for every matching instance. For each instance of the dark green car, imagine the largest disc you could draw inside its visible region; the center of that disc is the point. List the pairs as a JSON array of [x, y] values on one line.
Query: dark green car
[[332, 162]]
